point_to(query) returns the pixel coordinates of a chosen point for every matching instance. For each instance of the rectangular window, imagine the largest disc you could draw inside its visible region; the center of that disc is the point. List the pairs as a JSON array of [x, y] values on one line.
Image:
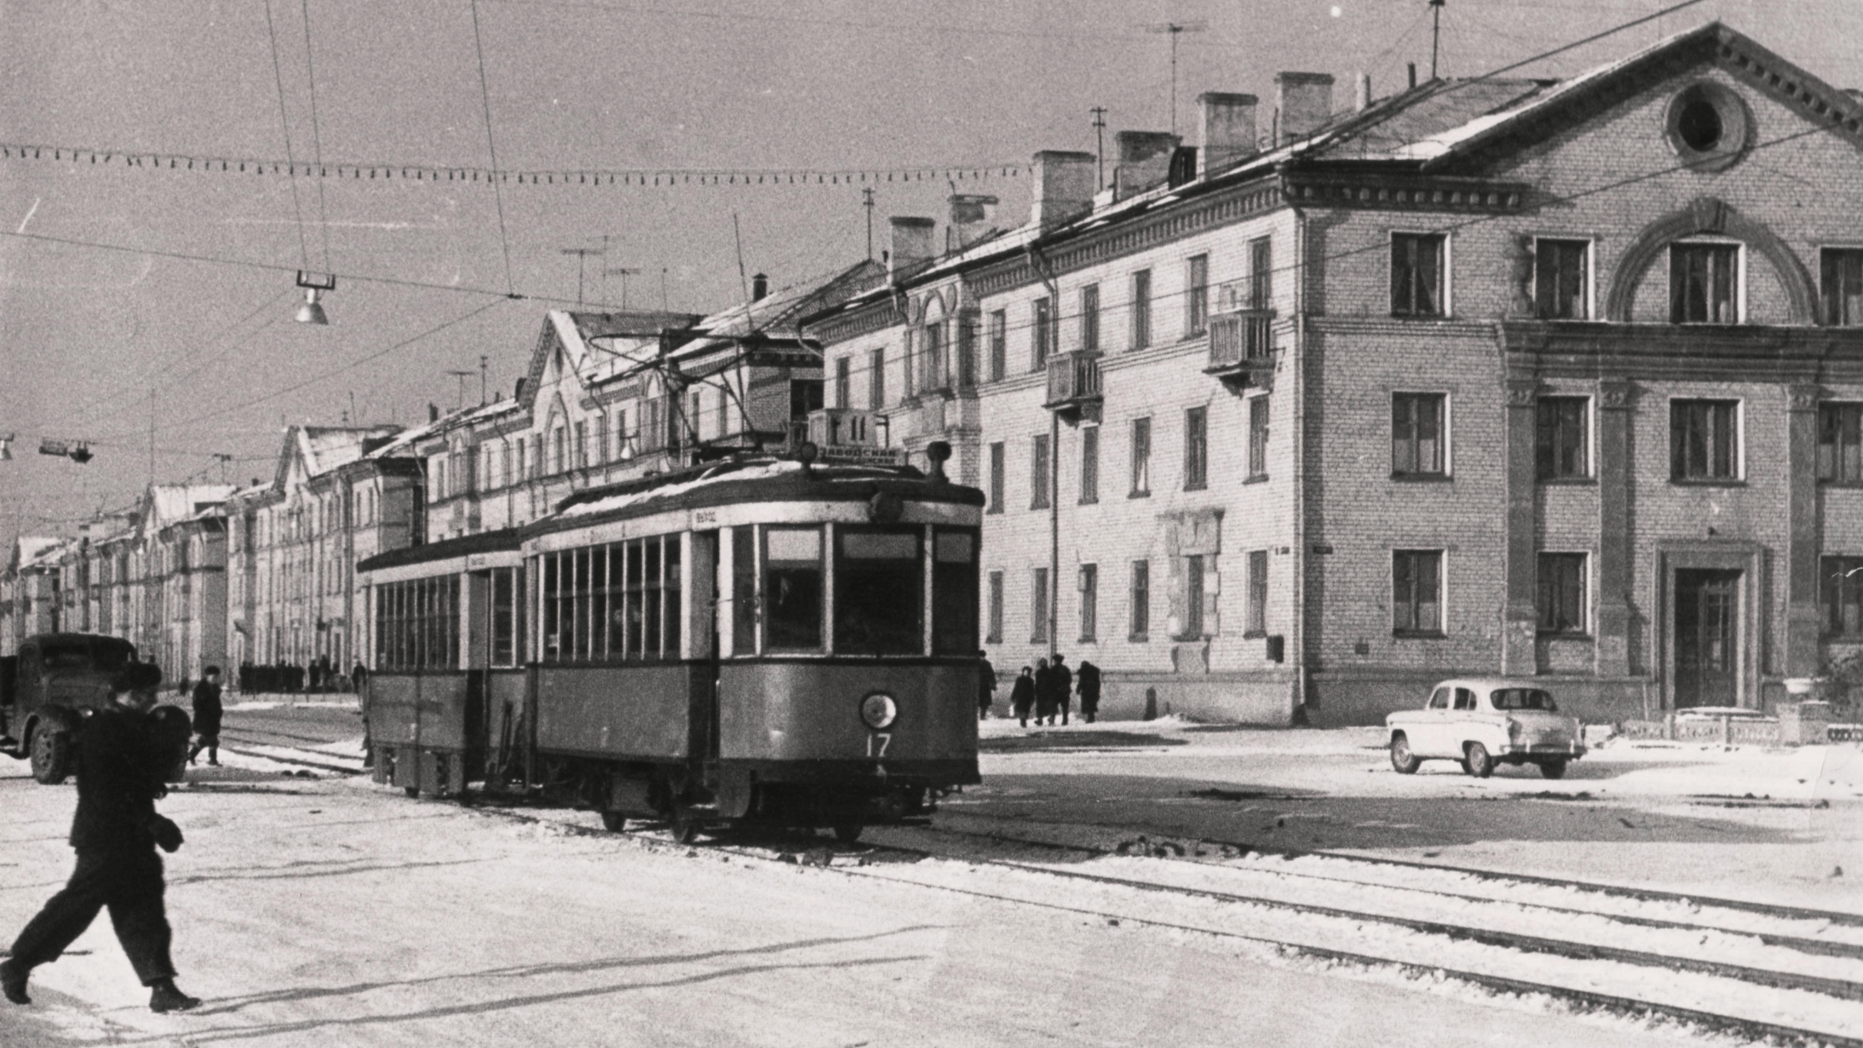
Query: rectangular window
[[995, 628], [1196, 295], [1703, 283], [624, 444], [1038, 609], [908, 379], [1141, 309], [876, 379], [417, 624], [1141, 457], [582, 444], [1258, 437], [1417, 284], [1417, 434], [843, 383], [1193, 597], [1842, 593], [1562, 279], [1261, 273], [1041, 334], [1561, 446], [743, 590], [1842, 285], [1090, 319], [1089, 464], [600, 448], [932, 357], [1039, 470], [1416, 592], [504, 617], [695, 414], [1196, 449], [1089, 601], [999, 345], [1840, 443], [1140, 626], [1704, 439], [879, 580], [998, 462], [1255, 620], [1562, 593], [792, 589]]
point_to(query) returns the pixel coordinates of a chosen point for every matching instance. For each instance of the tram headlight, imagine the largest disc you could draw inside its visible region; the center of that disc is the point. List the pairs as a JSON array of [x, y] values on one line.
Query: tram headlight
[[879, 711]]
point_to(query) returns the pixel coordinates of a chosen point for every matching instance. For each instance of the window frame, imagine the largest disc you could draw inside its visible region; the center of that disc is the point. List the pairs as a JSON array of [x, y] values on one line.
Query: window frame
[[1555, 599], [1255, 612], [1830, 299], [993, 622], [1089, 465], [1841, 420], [999, 344], [876, 378], [1445, 306], [1090, 318], [1260, 430], [1139, 461], [1141, 309], [1040, 471], [1738, 278], [843, 383], [1039, 600], [1089, 588], [1138, 606], [999, 460], [1736, 430], [1197, 448], [1547, 466], [1444, 469], [1041, 332], [1399, 606], [1838, 591], [1587, 290], [1196, 295]]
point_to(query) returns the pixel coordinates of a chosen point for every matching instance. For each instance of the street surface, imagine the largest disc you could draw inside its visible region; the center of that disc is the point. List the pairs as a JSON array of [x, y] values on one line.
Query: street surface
[[314, 908]]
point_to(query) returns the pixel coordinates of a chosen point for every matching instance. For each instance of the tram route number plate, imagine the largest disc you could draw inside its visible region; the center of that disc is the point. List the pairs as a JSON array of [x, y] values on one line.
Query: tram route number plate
[[705, 516], [877, 743]]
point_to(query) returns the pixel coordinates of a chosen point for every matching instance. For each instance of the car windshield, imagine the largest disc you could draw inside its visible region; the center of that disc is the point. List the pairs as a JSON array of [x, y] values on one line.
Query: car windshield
[[1522, 699], [105, 655]]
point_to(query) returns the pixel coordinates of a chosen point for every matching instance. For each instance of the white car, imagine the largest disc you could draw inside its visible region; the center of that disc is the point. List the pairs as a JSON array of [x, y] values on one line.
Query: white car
[[1482, 721]]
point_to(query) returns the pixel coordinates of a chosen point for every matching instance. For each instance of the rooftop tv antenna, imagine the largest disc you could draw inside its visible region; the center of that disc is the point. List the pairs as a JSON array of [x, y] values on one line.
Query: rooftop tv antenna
[[1436, 33], [1099, 136], [1176, 29], [462, 376], [582, 256], [623, 272]]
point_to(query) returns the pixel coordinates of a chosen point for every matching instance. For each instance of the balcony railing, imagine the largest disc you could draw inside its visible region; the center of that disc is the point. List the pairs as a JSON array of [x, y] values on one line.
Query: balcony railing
[[1242, 346], [1074, 383]]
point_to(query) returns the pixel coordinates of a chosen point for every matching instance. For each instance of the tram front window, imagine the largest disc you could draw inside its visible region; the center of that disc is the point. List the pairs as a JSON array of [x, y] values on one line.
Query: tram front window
[[954, 593], [879, 593], [792, 588]]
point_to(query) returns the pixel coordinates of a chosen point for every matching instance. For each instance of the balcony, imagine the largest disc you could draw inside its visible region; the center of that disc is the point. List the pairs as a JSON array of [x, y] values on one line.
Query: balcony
[[1242, 348], [1074, 386], [848, 436]]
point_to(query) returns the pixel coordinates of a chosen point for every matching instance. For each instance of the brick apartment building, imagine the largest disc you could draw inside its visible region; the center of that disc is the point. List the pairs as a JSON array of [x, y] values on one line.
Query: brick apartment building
[[1496, 375]]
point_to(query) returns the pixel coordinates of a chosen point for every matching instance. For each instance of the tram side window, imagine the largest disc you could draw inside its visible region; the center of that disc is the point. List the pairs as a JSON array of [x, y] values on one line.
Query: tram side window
[[417, 624], [743, 590], [552, 640], [879, 592], [612, 602], [954, 592], [792, 588], [504, 616]]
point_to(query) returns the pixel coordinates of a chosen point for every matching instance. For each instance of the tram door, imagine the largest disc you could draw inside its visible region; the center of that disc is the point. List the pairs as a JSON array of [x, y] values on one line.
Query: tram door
[[478, 652], [701, 629], [1707, 663]]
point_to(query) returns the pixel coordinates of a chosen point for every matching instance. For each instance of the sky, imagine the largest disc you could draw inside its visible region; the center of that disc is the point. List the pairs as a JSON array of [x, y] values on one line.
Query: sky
[[147, 310]]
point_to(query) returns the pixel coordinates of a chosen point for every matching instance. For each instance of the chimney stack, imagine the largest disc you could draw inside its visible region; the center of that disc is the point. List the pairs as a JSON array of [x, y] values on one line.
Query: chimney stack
[[1363, 101], [1305, 101], [759, 286], [970, 219], [1144, 161], [1063, 186], [912, 244], [1228, 129], [433, 412]]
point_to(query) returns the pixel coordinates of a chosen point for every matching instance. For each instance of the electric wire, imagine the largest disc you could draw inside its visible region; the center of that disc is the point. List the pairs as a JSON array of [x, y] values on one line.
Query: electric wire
[[310, 67], [284, 122], [491, 145]]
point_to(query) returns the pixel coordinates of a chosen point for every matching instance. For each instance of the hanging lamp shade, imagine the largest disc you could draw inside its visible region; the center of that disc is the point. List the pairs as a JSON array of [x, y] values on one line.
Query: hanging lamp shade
[[311, 312]]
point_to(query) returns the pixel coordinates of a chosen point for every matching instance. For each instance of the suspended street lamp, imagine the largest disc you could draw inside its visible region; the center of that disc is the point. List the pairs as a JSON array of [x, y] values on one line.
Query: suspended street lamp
[[311, 312]]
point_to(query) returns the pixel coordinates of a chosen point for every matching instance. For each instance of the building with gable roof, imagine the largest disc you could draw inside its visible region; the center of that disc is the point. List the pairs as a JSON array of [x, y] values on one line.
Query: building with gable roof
[[1550, 378], [29, 600]]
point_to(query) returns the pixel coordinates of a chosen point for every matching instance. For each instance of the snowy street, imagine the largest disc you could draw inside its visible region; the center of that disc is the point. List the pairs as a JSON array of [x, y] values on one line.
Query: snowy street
[[313, 911]]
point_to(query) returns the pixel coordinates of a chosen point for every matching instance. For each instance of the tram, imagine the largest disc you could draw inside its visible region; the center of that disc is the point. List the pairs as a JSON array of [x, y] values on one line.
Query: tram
[[748, 641]]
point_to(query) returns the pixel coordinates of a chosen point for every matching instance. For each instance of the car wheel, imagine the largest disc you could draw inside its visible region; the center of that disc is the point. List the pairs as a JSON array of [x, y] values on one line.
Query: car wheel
[[848, 831], [1479, 764], [51, 756], [614, 821], [1553, 769], [1402, 759]]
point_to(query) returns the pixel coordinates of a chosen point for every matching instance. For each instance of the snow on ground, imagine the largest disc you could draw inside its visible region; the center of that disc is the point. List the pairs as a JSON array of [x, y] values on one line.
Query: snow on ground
[[324, 911]]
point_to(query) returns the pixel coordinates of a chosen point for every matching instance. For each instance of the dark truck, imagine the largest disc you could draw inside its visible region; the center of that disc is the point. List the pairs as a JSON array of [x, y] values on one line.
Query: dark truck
[[46, 690]]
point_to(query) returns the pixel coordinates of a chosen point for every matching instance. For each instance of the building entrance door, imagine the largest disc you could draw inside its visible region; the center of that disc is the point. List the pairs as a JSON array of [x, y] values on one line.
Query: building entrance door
[[1707, 661]]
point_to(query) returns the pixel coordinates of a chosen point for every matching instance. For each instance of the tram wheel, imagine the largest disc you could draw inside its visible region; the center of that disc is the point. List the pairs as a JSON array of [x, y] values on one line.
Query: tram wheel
[[614, 821], [847, 832], [685, 824], [412, 791]]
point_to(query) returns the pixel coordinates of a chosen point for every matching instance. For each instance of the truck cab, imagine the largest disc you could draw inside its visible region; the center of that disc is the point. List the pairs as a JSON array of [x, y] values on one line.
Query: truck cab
[[47, 688]]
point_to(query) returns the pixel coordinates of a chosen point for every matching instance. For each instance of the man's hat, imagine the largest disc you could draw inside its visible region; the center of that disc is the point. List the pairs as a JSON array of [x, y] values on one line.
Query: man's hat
[[211, 671], [136, 676]]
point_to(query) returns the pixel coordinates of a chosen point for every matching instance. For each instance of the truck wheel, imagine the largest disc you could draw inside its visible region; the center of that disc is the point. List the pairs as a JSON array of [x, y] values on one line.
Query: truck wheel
[[51, 756], [1402, 759], [614, 821], [847, 831], [1553, 769], [1480, 765]]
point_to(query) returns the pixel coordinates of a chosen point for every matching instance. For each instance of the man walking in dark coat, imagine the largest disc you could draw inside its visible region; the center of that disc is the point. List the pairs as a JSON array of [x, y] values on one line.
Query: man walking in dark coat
[[207, 716], [986, 686], [1063, 687], [1087, 684], [1022, 696], [121, 766]]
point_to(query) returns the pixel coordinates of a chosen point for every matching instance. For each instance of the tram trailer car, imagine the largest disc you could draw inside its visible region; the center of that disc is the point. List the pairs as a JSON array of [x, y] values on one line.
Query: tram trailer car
[[745, 642]]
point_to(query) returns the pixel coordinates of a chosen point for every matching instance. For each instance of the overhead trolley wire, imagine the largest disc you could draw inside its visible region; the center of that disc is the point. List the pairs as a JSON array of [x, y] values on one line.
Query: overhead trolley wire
[[491, 145], [284, 123]]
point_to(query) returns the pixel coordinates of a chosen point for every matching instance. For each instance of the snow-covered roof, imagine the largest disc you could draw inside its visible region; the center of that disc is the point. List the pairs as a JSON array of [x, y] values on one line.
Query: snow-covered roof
[[168, 503], [324, 448], [33, 551]]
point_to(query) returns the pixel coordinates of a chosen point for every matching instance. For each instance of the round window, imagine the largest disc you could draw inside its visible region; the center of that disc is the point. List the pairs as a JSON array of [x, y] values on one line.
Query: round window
[[1708, 126]]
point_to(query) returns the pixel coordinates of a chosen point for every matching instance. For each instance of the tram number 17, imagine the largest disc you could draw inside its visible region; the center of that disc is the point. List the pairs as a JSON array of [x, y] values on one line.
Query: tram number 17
[[877, 743]]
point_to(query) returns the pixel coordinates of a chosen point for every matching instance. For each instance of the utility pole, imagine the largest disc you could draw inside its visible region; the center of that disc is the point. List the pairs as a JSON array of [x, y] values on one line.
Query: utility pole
[[485, 365], [663, 307], [866, 201], [582, 254], [1436, 33], [1099, 139]]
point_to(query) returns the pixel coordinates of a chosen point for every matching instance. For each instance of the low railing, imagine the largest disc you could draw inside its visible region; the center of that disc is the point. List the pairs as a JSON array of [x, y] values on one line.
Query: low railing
[[1241, 339], [1072, 379]]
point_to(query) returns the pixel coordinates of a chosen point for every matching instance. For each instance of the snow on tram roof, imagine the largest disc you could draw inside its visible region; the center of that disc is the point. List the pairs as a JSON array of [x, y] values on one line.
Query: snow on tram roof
[[726, 473]]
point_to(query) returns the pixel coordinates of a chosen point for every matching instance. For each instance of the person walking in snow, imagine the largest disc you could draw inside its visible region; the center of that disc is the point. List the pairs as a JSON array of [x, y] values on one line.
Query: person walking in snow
[[122, 763], [1022, 696], [1087, 686], [1063, 687], [986, 685], [207, 711], [1044, 693]]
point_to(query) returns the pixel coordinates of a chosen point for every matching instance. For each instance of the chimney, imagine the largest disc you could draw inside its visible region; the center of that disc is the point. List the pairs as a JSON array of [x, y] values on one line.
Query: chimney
[[912, 244], [759, 286], [1063, 186], [1144, 161], [1413, 73], [1305, 101], [970, 219], [433, 412], [1227, 123], [517, 391], [1363, 101]]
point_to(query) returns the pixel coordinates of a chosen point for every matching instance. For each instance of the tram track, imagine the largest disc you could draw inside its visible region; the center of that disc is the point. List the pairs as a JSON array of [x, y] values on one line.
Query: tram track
[[1423, 949]]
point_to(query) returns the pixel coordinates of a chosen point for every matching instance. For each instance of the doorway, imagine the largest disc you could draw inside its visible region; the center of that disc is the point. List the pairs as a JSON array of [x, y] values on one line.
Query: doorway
[[1707, 654]]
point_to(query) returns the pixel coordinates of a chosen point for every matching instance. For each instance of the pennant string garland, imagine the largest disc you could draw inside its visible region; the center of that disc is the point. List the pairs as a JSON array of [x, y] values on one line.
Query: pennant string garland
[[420, 173]]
